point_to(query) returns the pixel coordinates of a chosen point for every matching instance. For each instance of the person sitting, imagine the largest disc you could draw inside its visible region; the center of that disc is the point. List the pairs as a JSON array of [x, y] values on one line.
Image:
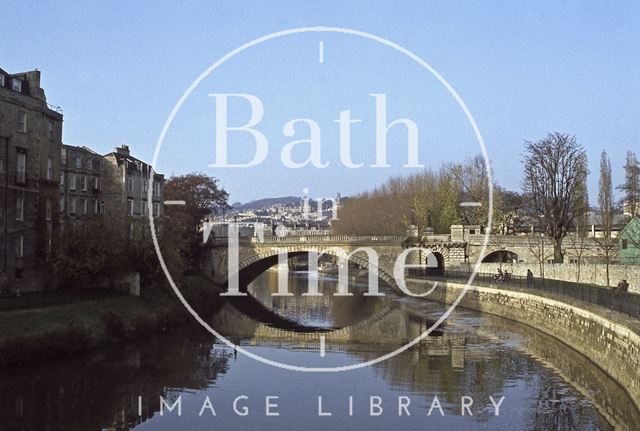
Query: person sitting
[[624, 286]]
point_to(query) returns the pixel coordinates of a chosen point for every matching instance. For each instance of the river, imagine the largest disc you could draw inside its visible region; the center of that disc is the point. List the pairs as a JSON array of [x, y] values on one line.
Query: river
[[464, 373]]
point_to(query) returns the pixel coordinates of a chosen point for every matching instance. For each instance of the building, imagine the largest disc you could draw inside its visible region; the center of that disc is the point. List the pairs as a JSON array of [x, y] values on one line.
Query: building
[[629, 243], [127, 181], [30, 150], [81, 183]]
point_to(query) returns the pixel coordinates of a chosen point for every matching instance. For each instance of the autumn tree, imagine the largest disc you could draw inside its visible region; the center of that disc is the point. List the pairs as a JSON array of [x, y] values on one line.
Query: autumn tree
[[203, 198], [554, 169]]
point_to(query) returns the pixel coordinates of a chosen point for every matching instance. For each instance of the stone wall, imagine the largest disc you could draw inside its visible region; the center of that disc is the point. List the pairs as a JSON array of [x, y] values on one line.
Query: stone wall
[[610, 340], [594, 273]]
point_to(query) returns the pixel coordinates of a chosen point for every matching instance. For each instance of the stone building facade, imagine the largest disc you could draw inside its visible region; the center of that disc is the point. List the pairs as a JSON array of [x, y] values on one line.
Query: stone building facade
[[81, 183], [30, 150], [127, 182]]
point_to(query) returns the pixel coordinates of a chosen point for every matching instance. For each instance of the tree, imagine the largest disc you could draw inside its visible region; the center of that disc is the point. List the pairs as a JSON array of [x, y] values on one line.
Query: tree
[[631, 185], [203, 198], [554, 169], [606, 244], [579, 242]]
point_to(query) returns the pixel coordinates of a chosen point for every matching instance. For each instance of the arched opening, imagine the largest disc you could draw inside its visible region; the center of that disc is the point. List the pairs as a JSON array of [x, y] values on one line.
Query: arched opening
[[435, 264], [501, 256]]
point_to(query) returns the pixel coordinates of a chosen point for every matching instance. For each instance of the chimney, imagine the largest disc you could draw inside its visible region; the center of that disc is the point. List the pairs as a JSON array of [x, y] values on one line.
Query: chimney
[[123, 149]]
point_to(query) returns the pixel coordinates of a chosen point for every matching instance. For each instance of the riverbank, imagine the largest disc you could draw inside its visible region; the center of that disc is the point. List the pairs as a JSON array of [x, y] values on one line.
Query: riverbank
[[66, 330], [609, 339]]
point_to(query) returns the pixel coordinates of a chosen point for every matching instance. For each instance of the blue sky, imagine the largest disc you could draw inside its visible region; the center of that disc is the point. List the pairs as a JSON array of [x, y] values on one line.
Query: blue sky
[[117, 69]]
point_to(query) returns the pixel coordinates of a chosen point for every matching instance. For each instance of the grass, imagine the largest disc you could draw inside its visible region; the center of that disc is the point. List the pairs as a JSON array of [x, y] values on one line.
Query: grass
[[73, 328]]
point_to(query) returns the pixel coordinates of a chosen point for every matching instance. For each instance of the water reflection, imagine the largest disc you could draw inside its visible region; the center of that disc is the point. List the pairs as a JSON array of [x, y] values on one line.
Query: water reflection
[[546, 385]]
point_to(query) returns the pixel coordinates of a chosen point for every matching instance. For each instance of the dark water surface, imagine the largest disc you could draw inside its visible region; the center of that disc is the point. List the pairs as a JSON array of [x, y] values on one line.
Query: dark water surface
[[545, 384]]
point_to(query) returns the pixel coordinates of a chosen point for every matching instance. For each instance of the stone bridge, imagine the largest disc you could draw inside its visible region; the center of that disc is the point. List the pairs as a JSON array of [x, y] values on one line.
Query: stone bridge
[[255, 255]]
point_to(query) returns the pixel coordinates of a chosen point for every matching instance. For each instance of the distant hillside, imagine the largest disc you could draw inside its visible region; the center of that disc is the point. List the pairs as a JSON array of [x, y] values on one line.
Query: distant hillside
[[267, 202]]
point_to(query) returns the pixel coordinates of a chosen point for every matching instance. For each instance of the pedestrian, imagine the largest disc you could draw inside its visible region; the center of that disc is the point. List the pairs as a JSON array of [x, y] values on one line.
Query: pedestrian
[[529, 278], [624, 286]]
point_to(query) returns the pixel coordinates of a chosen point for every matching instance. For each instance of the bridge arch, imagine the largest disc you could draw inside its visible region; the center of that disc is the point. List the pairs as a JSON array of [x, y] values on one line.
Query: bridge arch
[[501, 256], [254, 261]]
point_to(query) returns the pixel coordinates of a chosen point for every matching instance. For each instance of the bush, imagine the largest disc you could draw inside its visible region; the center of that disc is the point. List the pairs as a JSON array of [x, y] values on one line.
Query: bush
[[113, 325]]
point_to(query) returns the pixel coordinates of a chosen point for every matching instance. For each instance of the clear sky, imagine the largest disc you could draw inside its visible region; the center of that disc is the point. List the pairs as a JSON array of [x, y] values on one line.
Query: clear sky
[[118, 68]]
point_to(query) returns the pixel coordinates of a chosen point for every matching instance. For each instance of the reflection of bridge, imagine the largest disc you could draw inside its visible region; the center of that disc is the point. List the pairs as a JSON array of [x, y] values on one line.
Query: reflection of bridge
[[256, 255], [395, 324]]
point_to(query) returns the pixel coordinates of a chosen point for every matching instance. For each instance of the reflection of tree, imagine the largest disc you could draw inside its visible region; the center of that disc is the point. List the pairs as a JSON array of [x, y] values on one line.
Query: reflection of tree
[[82, 394]]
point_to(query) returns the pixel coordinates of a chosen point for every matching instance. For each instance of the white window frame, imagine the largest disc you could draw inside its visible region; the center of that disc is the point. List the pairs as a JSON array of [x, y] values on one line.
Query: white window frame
[[130, 207], [85, 207], [78, 162], [49, 169], [156, 188], [16, 85], [48, 209], [50, 130], [20, 207], [130, 184], [156, 209], [72, 205], [21, 167], [20, 246], [83, 183], [72, 182], [143, 207], [21, 126]]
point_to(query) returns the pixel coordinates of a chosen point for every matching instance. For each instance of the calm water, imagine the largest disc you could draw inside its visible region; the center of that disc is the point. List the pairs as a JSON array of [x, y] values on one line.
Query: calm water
[[545, 385]]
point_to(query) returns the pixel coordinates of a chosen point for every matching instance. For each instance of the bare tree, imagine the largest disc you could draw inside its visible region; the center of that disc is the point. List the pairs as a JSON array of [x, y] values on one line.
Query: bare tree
[[631, 185], [607, 246], [554, 169], [537, 247], [579, 241]]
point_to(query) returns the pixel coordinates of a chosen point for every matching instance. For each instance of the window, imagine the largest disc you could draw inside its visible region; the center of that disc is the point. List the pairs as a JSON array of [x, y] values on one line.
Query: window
[[20, 246], [22, 121], [83, 202], [83, 182], [1, 80], [625, 243], [72, 182], [96, 206], [1, 166], [16, 85], [156, 188], [62, 178], [72, 205], [78, 162], [90, 164], [130, 207], [50, 130], [48, 208], [96, 183], [156, 209], [101, 207], [145, 186], [143, 207], [50, 169], [63, 156], [21, 167], [129, 184], [61, 204], [20, 207]]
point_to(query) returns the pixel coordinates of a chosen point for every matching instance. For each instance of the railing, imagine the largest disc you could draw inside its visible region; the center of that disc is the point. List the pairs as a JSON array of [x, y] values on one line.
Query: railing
[[55, 108], [623, 302], [14, 301], [317, 239]]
